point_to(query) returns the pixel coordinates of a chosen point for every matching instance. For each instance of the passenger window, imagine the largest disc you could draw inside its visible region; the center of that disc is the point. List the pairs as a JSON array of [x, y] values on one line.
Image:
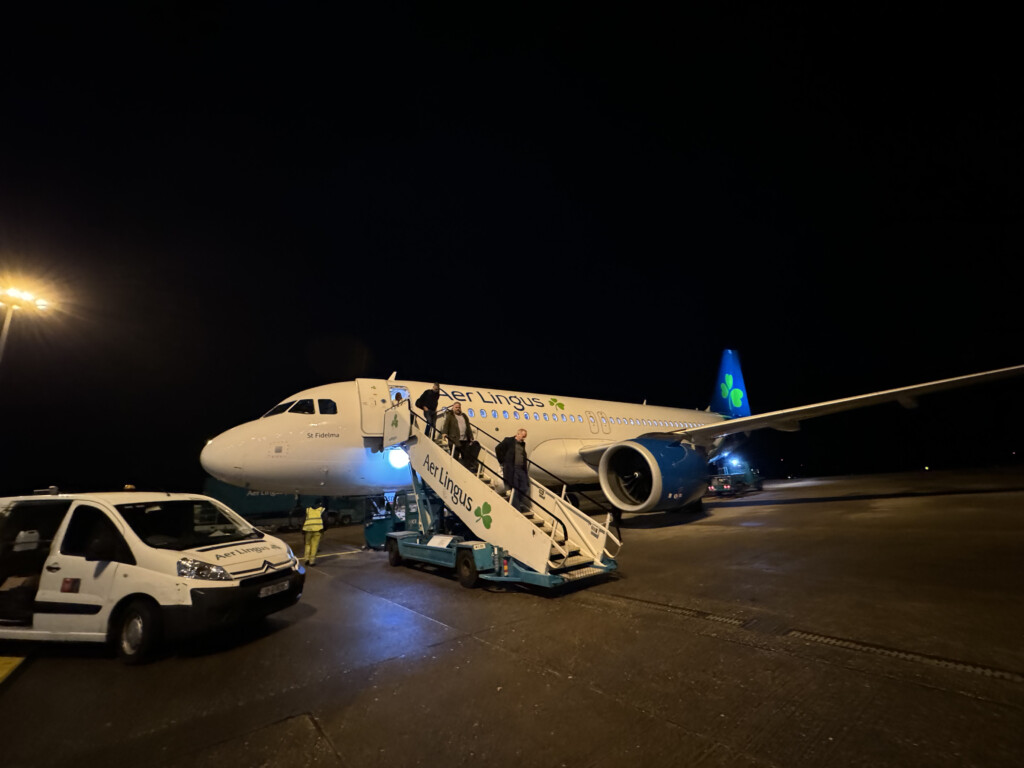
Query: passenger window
[[90, 530], [515, 415], [327, 407], [572, 418], [494, 414], [505, 414], [483, 414], [302, 406], [278, 409], [469, 412]]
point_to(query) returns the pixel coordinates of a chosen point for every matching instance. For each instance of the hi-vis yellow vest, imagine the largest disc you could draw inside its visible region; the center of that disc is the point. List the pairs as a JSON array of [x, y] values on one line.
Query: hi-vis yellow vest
[[314, 519]]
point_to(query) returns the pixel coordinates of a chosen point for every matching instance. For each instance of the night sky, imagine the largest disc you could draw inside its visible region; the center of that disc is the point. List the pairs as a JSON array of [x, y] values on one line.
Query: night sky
[[233, 202]]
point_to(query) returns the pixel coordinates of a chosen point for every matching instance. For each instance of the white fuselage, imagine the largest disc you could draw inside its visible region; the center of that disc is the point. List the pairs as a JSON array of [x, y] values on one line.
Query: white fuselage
[[329, 442]]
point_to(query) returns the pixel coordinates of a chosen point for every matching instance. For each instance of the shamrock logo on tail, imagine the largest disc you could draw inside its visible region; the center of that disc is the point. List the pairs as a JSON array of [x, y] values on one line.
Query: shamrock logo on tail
[[733, 396], [484, 514]]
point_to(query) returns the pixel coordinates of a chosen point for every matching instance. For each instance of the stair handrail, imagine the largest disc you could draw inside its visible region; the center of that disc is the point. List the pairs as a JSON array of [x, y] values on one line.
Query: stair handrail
[[450, 448], [477, 430]]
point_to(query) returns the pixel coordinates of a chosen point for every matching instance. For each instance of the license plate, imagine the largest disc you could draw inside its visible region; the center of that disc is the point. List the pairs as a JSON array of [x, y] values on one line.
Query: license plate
[[273, 589]]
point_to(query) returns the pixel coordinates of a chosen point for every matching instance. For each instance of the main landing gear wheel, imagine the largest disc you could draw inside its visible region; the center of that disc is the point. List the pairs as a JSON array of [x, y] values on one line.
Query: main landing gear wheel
[[136, 633], [465, 568], [394, 556]]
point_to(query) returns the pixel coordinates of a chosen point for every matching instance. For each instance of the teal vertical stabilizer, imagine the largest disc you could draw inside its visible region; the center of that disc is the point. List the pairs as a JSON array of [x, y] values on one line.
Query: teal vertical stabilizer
[[730, 395]]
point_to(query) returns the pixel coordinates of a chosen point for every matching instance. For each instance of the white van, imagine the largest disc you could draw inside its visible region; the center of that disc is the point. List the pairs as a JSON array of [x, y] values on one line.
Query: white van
[[133, 568]]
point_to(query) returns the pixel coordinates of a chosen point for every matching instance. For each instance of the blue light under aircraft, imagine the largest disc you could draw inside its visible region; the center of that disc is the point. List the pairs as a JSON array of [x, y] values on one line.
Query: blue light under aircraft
[[398, 458]]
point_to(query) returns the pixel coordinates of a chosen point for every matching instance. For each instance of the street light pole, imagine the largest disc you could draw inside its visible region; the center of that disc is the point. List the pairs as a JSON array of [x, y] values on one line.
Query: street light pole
[[14, 299], [7, 326]]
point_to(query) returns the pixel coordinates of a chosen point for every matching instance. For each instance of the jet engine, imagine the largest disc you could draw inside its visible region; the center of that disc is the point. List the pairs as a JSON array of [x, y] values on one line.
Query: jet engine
[[653, 472]]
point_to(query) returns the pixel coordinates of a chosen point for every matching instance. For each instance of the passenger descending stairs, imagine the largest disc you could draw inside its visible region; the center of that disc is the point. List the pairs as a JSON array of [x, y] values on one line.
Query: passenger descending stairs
[[551, 538]]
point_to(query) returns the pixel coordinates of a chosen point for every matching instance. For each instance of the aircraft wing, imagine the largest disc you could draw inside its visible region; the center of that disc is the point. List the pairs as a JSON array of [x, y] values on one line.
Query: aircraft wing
[[788, 420]]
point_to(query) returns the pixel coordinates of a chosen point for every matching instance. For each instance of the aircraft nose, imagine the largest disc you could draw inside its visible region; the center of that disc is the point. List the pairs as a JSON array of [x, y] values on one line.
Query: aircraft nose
[[222, 459]]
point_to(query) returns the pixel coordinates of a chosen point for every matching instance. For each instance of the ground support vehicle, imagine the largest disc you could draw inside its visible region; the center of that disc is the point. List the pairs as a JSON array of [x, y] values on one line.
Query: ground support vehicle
[[457, 518], [734, 483], [134, 568]]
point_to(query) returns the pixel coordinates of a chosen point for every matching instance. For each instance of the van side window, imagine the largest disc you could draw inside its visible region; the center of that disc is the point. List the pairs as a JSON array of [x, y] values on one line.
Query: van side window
[[27, 529], [41, 517], [90, 525]]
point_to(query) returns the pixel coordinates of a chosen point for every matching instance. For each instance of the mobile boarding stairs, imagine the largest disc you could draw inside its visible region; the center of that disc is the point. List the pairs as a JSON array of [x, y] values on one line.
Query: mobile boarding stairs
[[550, 544]]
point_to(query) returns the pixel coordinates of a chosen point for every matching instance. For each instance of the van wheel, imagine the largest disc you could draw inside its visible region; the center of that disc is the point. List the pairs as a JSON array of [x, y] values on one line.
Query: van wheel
[[465, 568], [137, 632], [394, 556]]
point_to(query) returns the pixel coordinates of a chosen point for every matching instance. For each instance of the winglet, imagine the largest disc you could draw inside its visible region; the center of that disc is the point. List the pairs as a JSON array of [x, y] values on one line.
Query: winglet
[[730, 396]]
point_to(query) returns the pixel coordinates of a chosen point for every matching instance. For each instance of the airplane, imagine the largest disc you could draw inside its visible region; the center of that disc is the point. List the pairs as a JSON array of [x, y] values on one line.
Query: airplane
[[328, 440]]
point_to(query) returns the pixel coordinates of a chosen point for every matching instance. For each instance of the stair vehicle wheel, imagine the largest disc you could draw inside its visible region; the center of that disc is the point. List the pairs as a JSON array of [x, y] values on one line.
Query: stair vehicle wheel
[[465, 568], [394, 556], [136, 632]]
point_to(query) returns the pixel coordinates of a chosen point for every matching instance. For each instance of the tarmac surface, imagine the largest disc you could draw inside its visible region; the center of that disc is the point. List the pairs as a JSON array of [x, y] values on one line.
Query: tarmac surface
[[841, 621]]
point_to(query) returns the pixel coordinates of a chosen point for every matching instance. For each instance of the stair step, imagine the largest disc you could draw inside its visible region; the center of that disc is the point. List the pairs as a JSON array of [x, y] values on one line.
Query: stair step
[[572, 552], [582, 573], [571, 562]]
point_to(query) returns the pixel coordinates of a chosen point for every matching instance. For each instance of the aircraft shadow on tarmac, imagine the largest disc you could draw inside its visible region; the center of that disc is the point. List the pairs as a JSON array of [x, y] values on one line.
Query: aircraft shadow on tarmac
[[653, 520]]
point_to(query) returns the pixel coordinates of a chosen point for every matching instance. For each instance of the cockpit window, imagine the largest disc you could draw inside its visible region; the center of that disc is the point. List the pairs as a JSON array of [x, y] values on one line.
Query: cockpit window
[[327, 406], [278, 409], [302, 406]]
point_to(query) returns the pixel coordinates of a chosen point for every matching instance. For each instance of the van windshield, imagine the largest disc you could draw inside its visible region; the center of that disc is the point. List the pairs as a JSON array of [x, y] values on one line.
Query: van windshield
[[184, 524]]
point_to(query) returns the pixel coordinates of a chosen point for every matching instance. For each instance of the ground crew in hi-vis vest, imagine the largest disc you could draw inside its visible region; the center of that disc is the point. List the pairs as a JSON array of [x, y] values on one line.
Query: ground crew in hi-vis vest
[[313, 527]]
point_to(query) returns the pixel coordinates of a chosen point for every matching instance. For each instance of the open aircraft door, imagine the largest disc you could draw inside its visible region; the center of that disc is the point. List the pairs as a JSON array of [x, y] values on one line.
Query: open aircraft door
[[374, 399]]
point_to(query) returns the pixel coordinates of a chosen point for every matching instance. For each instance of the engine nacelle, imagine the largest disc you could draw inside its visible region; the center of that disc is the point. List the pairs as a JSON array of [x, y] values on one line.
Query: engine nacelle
[[653, 472]]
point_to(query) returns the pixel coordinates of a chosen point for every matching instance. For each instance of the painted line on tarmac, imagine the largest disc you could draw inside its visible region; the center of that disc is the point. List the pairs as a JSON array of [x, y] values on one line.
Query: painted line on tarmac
[[327, 555], [7, 666]]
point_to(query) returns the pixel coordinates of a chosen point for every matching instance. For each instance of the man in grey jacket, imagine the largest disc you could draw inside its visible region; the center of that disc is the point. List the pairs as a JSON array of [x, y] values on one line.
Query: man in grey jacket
[[460, 435]]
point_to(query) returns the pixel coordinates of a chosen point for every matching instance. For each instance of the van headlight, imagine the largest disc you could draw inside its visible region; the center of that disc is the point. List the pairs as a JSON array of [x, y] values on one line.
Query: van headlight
[[197, 569]]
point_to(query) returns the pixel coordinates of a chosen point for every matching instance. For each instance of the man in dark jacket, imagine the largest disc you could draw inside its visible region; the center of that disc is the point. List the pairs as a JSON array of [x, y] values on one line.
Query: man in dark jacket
[[428, 404], [515, 468]]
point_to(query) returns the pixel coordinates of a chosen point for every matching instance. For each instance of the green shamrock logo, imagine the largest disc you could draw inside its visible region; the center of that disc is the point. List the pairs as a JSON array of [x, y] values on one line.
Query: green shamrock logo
[[733, 396], [554, 401], [394, 421], [484, 514]]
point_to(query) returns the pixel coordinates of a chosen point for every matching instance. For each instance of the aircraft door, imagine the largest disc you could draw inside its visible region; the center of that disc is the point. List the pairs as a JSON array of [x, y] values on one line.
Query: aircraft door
[[605, 425], [374, 399], [593, 420]]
